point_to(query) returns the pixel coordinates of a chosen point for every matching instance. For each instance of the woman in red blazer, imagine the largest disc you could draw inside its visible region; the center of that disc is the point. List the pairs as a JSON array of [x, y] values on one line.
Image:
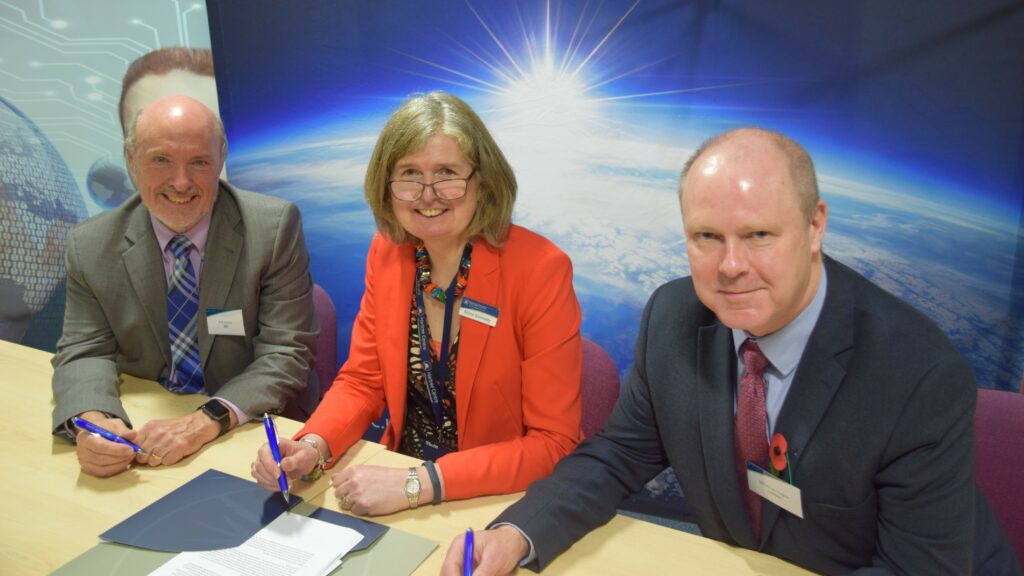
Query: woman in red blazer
[[494, 401]]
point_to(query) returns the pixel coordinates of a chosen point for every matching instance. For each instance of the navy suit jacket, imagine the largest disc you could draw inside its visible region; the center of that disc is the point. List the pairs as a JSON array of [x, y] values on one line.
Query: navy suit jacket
[[879, 423]]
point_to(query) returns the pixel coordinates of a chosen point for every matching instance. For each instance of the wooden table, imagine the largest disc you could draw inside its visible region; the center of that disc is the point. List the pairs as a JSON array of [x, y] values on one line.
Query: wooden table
[[623, 546], [52, 511]]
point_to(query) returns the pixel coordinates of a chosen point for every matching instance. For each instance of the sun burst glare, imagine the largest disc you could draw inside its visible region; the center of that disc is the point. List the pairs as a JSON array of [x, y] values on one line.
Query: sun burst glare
[[546, 78], [539, 80], [546, 96]]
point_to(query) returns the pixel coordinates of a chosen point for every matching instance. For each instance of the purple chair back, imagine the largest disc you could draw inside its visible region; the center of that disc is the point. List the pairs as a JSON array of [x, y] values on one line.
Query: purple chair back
[[999, 430], [327, 342], [600, 387]]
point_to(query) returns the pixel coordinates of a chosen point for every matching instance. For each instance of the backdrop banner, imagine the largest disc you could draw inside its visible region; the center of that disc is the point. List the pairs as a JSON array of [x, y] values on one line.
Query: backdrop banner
[[912, 113]]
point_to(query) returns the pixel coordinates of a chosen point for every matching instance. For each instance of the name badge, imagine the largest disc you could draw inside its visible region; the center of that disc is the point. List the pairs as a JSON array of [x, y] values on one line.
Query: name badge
[[777, 491], [483, 313], [225, 322]]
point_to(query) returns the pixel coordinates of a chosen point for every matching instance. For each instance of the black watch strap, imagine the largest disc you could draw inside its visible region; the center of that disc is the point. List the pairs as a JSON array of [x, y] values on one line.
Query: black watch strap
[[435, 482], [219, 413]]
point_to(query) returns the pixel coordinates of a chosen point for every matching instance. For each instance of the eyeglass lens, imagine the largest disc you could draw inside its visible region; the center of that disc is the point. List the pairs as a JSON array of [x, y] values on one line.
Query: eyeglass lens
[[449, 189]]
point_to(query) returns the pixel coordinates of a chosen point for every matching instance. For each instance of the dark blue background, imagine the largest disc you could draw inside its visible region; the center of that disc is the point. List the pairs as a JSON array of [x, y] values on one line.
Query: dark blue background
[[886, 93]]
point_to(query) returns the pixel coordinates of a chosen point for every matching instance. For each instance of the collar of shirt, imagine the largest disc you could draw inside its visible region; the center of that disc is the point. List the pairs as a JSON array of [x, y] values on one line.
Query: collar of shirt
[[197, 234], [785, 347]]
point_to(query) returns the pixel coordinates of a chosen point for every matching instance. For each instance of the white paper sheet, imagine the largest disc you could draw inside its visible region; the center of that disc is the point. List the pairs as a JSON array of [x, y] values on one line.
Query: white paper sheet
[[291, 545]]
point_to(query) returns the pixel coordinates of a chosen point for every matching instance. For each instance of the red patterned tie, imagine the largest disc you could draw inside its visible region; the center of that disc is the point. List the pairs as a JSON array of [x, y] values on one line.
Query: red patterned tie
[[751, 437]]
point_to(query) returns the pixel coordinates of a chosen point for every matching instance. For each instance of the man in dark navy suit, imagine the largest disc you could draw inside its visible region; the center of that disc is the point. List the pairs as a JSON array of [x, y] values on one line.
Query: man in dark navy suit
[[770, 337]]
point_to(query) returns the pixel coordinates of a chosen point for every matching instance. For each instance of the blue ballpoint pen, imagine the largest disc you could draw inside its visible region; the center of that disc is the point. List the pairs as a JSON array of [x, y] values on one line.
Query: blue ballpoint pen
[[282, 478], [97, 431], [467, 560]]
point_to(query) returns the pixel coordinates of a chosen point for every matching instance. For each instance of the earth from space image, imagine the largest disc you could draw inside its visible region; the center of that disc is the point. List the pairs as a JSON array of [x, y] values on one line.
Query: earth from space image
[[612, 206]]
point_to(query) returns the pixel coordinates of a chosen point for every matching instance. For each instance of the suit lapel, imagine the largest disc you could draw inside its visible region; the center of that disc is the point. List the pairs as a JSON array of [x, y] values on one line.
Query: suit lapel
[[483, 286], [817, 379], [143, 264], [223, 245], [393, 308], [716, 383]]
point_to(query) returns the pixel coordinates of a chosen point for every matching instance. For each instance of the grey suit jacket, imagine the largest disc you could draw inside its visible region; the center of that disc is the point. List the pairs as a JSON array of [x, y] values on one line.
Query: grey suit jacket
[[879, 423], [116, 317]]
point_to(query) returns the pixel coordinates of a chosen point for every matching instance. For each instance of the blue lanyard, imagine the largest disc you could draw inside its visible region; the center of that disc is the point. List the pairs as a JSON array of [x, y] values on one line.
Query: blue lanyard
[[433, 382]]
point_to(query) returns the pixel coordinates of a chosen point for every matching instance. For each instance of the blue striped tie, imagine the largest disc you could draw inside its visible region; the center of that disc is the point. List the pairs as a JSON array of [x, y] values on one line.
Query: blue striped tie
[[182, 321]]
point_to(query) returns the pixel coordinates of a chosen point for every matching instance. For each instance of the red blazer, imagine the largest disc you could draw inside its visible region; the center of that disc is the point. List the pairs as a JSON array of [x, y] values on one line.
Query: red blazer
[[517, 385]]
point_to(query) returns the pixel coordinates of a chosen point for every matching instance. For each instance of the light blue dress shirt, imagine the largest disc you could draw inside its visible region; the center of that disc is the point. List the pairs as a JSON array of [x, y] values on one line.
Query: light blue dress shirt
[[784, 349]]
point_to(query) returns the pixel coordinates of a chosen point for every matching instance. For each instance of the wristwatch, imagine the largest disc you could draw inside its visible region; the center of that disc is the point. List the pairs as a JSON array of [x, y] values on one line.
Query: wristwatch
[[317, 470], [219, 413], [412, 488]]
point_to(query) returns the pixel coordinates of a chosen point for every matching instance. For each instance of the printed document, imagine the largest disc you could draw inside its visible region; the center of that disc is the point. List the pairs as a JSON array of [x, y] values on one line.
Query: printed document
[[291, 545]]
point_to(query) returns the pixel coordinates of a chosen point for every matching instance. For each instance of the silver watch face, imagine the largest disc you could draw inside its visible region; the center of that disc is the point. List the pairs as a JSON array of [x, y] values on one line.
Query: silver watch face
[[412, 486]]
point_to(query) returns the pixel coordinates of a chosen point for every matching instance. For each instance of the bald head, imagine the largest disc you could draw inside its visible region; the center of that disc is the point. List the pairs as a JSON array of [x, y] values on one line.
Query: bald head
[[744, 143], [176, 114], [175, 150], [753, 244]]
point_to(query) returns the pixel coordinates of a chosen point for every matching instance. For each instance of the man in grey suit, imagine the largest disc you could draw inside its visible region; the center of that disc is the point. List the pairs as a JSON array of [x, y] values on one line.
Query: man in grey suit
[[769, 338], [246, 338]]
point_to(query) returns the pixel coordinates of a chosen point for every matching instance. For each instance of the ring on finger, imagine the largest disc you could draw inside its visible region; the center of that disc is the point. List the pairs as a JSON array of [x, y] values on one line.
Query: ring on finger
[[345, 502]]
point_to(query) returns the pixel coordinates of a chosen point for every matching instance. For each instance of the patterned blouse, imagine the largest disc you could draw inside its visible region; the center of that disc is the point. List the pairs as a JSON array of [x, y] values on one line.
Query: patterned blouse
[[419, 416]]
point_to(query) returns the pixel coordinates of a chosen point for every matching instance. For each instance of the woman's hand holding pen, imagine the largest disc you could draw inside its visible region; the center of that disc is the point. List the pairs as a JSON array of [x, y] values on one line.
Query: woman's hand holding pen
[[297, 458], [99, 456]]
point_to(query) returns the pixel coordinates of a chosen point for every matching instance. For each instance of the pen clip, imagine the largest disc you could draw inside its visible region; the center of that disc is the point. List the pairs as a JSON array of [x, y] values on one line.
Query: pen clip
[[276, 436]]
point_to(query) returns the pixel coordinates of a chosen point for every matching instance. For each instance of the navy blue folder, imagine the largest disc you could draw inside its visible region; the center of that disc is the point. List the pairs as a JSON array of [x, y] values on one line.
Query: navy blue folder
[[216, 510]]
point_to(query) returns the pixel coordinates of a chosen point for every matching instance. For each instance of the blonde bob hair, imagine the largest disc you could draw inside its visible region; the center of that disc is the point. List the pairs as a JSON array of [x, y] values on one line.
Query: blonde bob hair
[[408, 130]]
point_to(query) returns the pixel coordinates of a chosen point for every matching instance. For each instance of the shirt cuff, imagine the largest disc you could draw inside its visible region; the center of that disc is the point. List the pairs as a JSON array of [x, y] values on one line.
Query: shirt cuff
[[67, 431], [533, 552], [70, 432], [241, 416]]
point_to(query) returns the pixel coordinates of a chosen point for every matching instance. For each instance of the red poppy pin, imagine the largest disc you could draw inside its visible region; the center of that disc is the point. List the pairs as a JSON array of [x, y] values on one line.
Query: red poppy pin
[[777, 453]]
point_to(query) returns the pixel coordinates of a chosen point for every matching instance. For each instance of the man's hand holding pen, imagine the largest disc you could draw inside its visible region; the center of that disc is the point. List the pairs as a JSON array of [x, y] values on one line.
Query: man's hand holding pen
[[106, 446], [99, 456]]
